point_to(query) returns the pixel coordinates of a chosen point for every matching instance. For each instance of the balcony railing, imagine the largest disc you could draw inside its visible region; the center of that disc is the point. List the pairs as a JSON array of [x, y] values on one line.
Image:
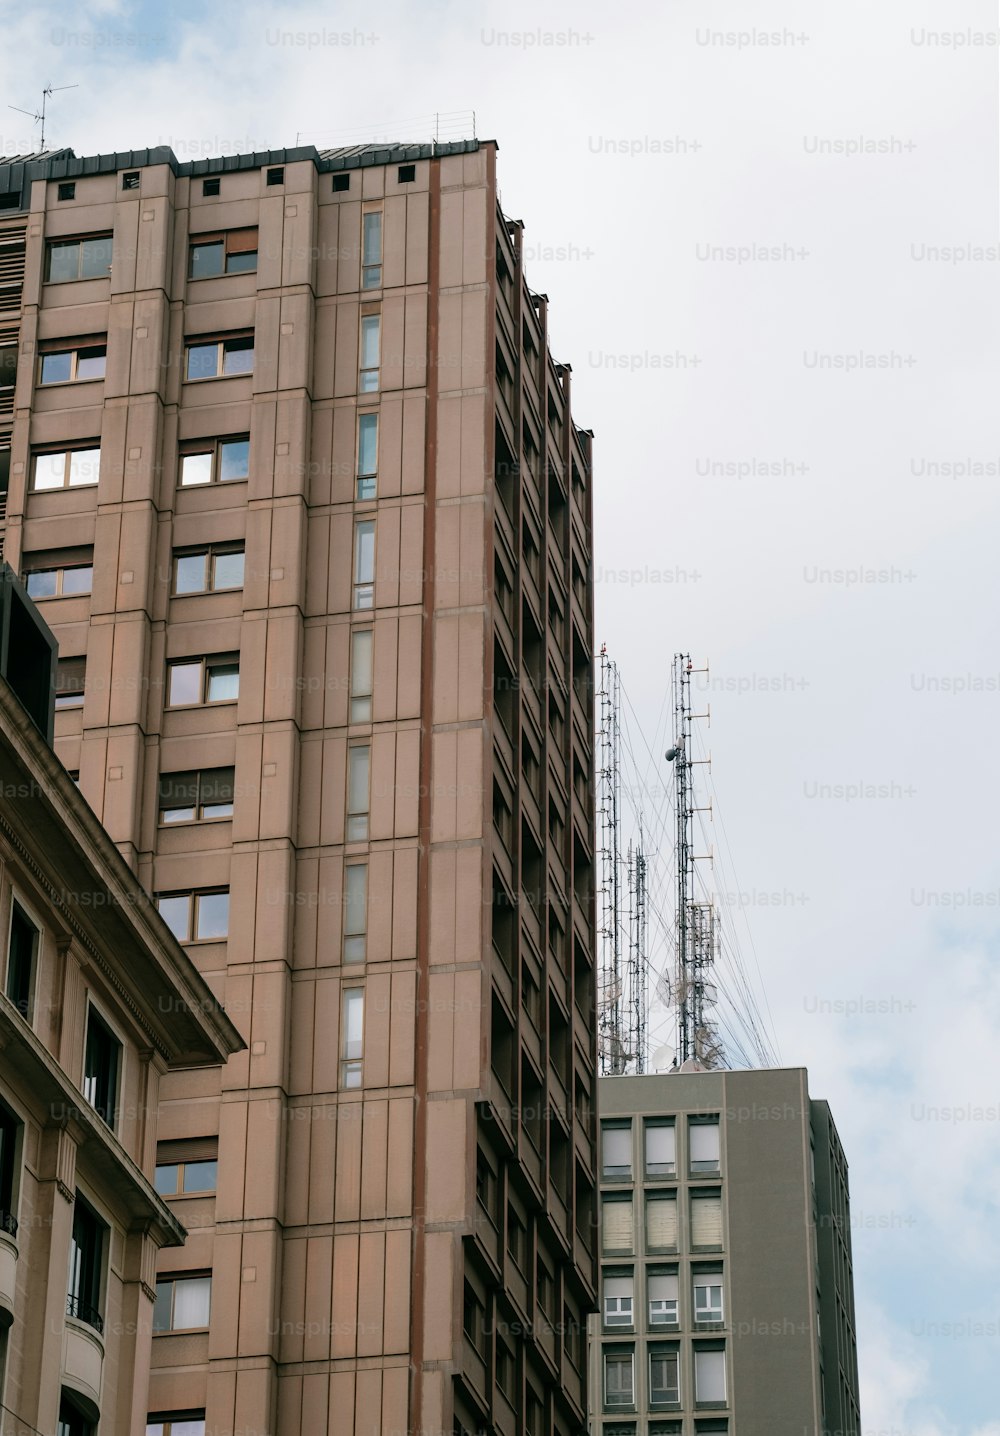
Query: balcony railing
[[83, 1311], [8, 1223]]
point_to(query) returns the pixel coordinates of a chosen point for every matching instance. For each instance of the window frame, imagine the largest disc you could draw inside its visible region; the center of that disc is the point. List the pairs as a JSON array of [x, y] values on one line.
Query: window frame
[[616, 1172], [363, 586], [162, 1423], [618, 1318], [709, 1348], [89, 1268], [221, 237], [362, 673], [235, 343], [65, 243], [208, 662], [708, 1279], [67, 454], [372, 259], [704, 1167], [354, 940], [25, 1006], [667, 1351], [352, 1048], [369, 323], [198, 448], [180, 1166], [618, 1355], [11, 1161], [199, 816], [74, 356], [366, 479], [659, 1170], [665, 1320], [74, 696], [357, 819], [173, 1280], [210, 553], [194, 896], [59, 570], [112, 1083]]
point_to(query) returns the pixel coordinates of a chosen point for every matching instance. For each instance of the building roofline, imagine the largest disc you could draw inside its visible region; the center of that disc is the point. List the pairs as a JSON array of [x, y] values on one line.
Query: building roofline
[[18, 171]]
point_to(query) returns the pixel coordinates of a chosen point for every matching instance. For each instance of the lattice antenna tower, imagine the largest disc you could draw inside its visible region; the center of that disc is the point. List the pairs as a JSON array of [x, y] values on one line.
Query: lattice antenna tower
[[638, 952], [612, 1051], [697, 928]]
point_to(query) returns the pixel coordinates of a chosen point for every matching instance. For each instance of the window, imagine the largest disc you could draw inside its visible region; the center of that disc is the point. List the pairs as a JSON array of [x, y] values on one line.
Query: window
[[183, 1303], [358, 772], [661, 1158], [355, 911], [185, 1179], [487, 1189], [664, 1376], [73, 366], [661, 1221], [367, 456], [177, 1423], [474, 1319], [86, 1265], [661, 1288], [67, 468], [371, 250], [544, 1285], [211, 187], [213, 254], [196, 916], [8, 366], [371, 325], [341, 184], [130, 180], [197, 796], [710, 1375], [708, 1294], [505, 1369], [219, 358], [192, 681], [619, 1378], [352, 1036], [10, 1129], [208, 570], [706, 1219], [22, 950], [72, 1421], [71, 679], [517, 1237], [65, 582], [67, 190], [616, 1150], [215, 461], [364, 564], [101, 1068], [361, 675], [69, 259], [406, 174], [617, 1225], [703, 1146], [276, 175], [618, 1299]]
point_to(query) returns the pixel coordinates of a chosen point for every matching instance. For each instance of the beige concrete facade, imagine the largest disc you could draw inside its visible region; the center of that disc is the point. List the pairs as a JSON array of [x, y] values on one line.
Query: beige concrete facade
[[98, 1006], [727, 1298], [356, 768]]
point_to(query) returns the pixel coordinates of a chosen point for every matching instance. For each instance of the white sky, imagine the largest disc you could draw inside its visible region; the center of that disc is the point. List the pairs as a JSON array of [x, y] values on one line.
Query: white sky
[[617, 228]]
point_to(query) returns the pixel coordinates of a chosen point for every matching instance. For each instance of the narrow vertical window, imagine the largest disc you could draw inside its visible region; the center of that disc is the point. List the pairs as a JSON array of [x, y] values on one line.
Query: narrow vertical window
[[21, 955], [371, 325], [355, 912], [102, 1068], [371, 250], [361, 675], [352, 1036], [364, 564], [358, 768], [367, 456]]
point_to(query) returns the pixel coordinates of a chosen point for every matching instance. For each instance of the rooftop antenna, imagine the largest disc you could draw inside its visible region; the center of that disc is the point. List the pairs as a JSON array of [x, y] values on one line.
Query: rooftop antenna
[[697, 931], [39, 118], [611, 1004]]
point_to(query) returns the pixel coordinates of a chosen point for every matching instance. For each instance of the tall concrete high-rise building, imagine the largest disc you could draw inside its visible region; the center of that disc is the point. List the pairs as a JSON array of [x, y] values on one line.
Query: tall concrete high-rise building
[[727, 1299], [294, 478]]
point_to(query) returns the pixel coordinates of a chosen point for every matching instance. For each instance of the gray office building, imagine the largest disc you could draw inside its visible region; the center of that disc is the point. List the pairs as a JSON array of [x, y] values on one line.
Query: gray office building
[[726, 1300]]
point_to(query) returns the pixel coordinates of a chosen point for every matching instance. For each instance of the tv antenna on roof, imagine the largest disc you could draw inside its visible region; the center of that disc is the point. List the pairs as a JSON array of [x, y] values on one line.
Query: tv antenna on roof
[[39, 118]]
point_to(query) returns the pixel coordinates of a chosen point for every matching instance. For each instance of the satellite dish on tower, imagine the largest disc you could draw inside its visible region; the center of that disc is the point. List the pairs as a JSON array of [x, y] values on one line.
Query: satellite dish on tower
[[663, 989], [663, 1058]]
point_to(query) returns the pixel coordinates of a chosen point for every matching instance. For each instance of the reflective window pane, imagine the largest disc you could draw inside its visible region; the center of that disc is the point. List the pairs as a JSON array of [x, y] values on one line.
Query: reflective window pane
[[184, 683], [238, 357], [242, 263], [50, 471], [207, 259], [212, 920], [42, 583], [200, 1176], [166, 1180], [95, 257], [57, 368], [202, 361], [371, 241], [64, 261], [192, 1302], [91, 363], [234, 459], [224, 683], [78, 580], [189, 573], [84, 466], [227, 570], [176, 913], [196, 469]]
